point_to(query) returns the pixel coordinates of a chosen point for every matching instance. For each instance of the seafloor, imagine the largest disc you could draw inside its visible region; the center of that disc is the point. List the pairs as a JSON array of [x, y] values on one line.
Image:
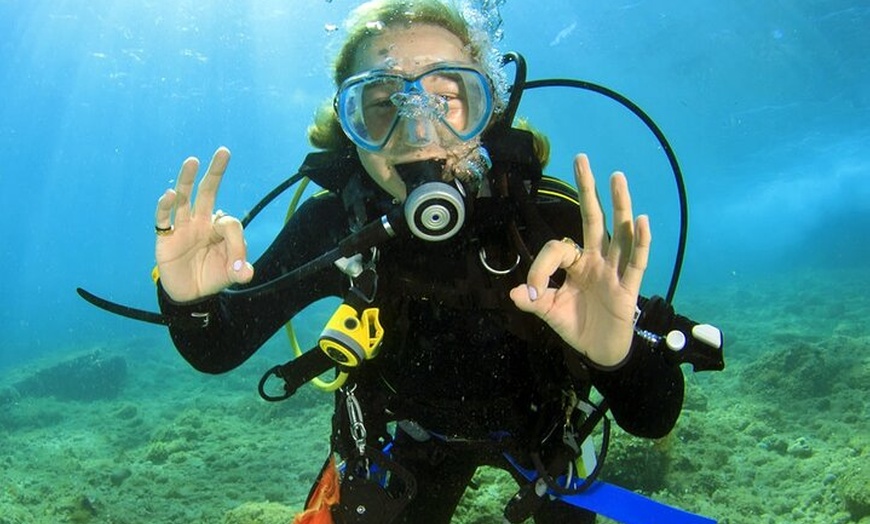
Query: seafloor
[[781, 436]]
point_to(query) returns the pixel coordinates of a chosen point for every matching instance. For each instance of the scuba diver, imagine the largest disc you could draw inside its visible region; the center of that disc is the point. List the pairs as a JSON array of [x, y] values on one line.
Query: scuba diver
[[481, 300]]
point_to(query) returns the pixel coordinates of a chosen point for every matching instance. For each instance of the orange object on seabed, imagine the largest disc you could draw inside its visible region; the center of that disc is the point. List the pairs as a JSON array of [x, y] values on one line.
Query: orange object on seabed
[[318, 509]]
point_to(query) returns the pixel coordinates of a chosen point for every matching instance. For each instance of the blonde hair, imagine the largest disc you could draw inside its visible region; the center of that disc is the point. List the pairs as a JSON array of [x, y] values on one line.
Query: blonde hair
[[540, 142], [368, 20]]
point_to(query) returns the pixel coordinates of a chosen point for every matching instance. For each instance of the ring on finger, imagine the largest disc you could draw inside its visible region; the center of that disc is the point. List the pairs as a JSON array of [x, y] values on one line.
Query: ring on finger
[[164, 231], [578, 251]]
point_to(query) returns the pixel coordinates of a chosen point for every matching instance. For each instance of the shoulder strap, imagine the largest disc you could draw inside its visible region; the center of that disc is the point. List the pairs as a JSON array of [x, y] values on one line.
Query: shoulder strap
[[515, 148], [553, 188], [330, 169], [341, 172]]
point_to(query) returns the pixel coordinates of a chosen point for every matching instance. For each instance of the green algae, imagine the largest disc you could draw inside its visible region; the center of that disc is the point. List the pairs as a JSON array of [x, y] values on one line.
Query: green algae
[[781, 436]]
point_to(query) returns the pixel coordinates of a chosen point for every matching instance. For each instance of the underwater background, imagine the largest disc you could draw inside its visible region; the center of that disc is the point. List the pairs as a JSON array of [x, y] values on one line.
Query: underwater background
[[766, 104]]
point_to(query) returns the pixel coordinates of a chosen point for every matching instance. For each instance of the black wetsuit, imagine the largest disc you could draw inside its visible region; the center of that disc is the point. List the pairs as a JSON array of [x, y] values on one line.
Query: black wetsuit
[[457, 357]]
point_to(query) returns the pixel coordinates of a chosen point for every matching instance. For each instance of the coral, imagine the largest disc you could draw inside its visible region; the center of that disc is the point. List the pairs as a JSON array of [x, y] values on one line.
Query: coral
[[81, 510], [118, 475], [93, 376], [16, 515], [259, 513], [637, 463], [800, 448], [774, 443], [800, 371], [485, 498], [159, 452], [854, 488]]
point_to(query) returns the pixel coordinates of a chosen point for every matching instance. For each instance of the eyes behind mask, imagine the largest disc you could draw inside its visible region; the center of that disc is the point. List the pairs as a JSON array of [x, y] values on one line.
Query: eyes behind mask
[[445, 100]]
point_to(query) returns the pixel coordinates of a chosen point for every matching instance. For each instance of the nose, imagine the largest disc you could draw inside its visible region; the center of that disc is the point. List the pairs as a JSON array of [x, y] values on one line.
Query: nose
[[419, 131]]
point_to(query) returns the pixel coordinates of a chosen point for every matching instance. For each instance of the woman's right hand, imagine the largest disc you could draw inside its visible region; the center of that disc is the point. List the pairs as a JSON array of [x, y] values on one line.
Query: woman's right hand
[[204, 251]]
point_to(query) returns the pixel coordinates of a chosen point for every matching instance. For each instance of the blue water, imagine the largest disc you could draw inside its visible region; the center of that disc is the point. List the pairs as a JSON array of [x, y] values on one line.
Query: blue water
[[767, 105]]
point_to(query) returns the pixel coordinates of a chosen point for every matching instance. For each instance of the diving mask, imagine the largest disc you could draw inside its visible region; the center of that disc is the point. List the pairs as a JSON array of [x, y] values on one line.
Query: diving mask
[[371, 105]]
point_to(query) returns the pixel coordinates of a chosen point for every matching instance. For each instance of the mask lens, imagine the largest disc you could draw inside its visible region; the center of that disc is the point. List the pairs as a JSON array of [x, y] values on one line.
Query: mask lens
[[379, 109], [467, 98], [366, 110], [370, 105]]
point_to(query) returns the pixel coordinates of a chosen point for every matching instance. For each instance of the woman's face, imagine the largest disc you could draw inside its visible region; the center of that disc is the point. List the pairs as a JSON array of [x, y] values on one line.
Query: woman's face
[[408, 50]]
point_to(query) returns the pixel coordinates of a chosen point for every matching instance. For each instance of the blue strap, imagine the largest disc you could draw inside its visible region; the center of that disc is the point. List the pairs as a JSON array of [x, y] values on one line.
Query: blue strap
[[623, 505], [628, 507]]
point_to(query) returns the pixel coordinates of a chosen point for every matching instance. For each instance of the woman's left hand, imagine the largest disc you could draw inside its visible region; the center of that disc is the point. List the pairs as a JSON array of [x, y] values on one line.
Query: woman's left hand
[[594, 309]]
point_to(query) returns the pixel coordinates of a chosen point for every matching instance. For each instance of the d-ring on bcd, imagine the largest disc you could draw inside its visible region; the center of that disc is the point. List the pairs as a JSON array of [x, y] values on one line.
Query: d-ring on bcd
[[494, 271]]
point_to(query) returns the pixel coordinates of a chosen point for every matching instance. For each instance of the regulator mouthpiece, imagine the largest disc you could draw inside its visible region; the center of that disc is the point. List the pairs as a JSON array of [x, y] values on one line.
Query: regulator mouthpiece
[[434, 209]]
